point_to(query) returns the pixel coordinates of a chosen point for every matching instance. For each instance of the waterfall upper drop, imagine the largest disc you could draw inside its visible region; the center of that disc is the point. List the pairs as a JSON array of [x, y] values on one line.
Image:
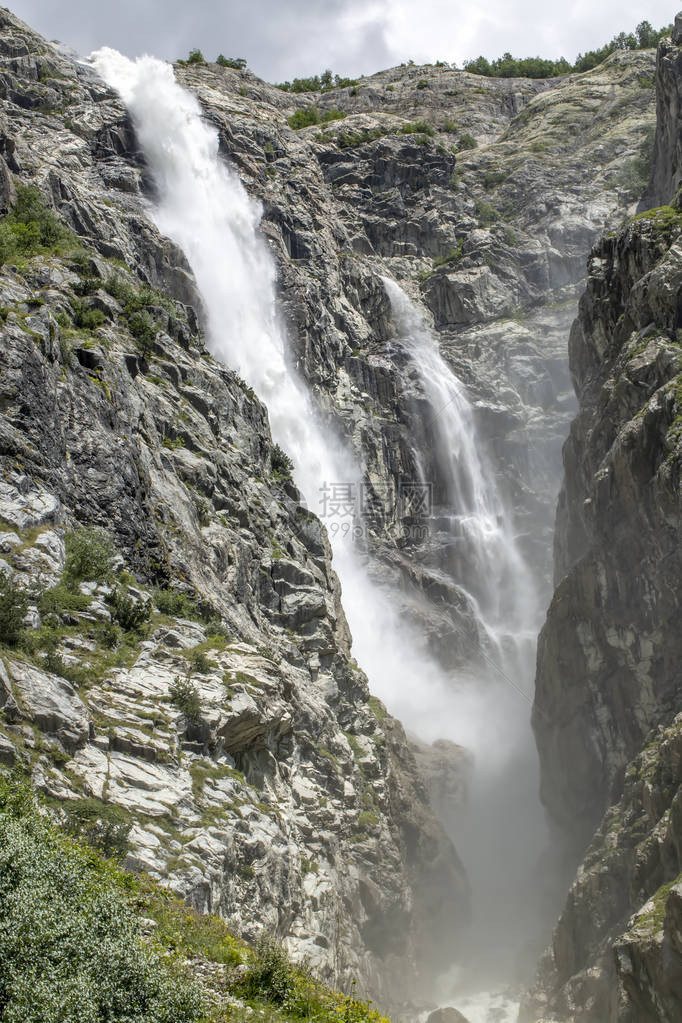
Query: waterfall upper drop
[[203, 206]]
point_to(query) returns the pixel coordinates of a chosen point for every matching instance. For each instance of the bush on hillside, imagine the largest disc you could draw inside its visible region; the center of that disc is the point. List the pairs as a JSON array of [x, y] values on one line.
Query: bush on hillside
[[71, 949], [238, 63], [13, 608], [32, 228], [89, 555]]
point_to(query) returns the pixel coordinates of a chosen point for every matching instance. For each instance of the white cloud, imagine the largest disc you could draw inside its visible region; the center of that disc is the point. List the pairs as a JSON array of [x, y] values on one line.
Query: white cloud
[[438, 29], [285, 38]]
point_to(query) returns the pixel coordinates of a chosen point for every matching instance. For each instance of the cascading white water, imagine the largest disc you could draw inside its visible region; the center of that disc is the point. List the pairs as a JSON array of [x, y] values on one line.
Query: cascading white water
[[503, 817], [491, 568], [205, 209]]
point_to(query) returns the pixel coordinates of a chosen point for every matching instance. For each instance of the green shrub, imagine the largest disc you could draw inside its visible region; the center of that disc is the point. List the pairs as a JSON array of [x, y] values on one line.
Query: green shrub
[[348, 140], [71, 949], [486, 213], [304, 118], [196, 57], [130, 614], [89, 555], [185, 696], [85, 316], [453, 256], [422, 84], [62, 599], [282, 465], [466, 141], [270, 974], [143, 329], [174, 604], [87, 285], [332, 115], [417, 128], [492, 178], [449, 126], [104, 826], [13, 608], [216, 629], [239, 63], [200, 663], [31, 228], [110, 635]]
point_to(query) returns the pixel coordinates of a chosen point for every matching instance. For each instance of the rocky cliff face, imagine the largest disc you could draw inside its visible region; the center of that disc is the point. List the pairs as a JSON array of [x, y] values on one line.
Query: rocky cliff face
[[608, 683], [269, 788], [667, 166], [286, 800]]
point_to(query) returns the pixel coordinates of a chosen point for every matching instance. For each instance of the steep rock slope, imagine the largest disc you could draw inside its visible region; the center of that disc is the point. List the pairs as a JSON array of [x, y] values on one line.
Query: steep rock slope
[[232, 730], [608, 683]]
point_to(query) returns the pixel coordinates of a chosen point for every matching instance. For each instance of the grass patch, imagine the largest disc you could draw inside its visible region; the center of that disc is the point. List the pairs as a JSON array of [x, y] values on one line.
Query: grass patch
[[663, 218], [420, 127]]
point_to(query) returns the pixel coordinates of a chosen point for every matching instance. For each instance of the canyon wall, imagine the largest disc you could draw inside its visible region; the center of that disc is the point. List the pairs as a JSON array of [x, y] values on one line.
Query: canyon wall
[[608, 684]]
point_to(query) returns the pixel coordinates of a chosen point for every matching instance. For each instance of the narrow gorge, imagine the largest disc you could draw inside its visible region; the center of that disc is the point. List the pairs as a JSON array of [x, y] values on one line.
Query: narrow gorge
[[283, 402]]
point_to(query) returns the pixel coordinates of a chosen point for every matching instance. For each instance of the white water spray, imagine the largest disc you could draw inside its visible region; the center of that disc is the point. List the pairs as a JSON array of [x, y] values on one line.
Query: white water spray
[[205, 209]]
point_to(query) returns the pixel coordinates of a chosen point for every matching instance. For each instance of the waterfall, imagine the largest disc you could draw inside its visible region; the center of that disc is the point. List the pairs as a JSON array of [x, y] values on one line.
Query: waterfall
[[203, 207], [491, 569], [503, 817]]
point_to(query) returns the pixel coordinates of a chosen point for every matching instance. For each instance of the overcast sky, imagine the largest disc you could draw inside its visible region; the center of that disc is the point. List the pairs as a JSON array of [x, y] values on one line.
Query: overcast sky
[[286, 38]]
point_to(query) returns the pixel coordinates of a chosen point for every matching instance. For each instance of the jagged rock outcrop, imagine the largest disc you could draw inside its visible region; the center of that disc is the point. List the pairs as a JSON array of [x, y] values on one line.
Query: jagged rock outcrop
[[609, 685], [667, 165], [616, 953], [608, 659]]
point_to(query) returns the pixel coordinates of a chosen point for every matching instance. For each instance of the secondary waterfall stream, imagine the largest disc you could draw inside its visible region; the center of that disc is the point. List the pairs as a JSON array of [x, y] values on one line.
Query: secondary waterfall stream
[[204, 208]]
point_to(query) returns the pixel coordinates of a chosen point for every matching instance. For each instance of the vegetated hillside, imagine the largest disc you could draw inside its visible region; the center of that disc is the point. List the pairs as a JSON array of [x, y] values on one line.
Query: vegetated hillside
[[83, 940], [608, 692]]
